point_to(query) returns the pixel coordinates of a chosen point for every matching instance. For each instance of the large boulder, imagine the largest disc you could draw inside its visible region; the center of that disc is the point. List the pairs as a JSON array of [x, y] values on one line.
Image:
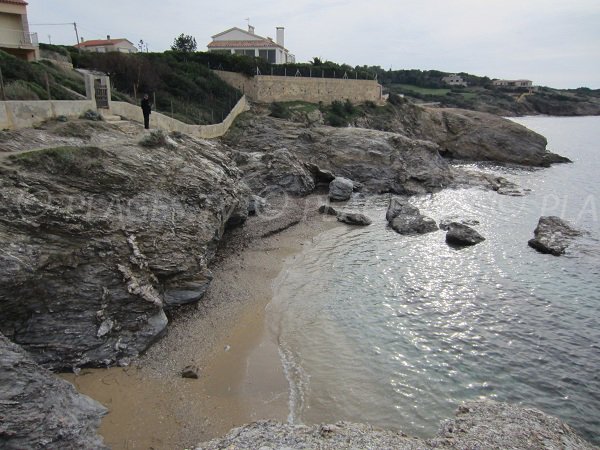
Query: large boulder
[[99, 241], [462, 235], [39, 410], [340, 189], [552, 235], [407, 219]]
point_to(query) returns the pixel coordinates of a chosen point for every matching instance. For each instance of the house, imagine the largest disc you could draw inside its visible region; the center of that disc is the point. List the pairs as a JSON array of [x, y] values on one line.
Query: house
[[120, 45], [238, 41], [513, 83], [15, 37], [454, 80]]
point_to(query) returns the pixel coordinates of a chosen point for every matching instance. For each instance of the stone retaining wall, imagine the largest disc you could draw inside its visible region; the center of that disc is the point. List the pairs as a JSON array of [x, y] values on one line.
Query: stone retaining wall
[[267, 88]]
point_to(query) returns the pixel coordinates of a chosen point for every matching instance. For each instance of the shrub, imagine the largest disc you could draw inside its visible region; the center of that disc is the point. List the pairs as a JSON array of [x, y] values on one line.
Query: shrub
[[156, 138], [91, 115], [337, 108], [280, 111], [335, 120], [349, 107], [20, 90]]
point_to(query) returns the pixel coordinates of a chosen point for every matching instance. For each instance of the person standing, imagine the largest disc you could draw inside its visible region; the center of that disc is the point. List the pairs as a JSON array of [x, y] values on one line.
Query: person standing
[[146, 109]]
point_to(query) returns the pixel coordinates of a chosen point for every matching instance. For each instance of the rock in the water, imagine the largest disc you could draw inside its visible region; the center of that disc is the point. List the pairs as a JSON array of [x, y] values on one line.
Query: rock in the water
[[478, 425], [398, 207], [445, 223], [552, 235], [191, 371], [418, 224], [462, 235], [354, 219], [407, 219], [340, 189], [39, 410], [326, 209]]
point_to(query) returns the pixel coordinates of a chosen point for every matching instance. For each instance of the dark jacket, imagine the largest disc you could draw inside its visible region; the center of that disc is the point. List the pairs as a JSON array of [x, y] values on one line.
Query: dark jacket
[[146, 106]]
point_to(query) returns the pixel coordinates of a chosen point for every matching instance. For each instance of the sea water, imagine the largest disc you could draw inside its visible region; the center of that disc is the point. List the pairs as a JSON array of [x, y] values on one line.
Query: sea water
[[396, 330]]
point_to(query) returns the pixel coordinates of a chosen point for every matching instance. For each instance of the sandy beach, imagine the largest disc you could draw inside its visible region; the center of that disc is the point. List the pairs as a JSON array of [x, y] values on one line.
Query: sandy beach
[[241, 378]]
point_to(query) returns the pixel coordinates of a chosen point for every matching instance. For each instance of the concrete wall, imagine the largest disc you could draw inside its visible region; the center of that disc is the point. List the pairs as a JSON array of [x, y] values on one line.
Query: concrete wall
[[15, 115], [163, 122], [267, 88]]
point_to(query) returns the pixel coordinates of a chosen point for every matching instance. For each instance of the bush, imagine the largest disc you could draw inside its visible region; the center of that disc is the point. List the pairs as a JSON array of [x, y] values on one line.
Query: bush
[[280, 111], [349, 107], [337, 108], [91, 115], [335, 120], [156, 138], [20, 90]]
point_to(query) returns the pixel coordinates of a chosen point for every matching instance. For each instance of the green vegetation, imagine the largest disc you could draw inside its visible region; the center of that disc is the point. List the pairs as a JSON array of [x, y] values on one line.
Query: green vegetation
[[27, 81], [156, 138], [411, 89], [77, 161], [184, 43]]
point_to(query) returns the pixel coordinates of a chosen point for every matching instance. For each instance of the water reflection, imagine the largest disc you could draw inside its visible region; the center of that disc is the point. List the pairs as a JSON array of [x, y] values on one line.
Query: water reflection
[[396, 330]]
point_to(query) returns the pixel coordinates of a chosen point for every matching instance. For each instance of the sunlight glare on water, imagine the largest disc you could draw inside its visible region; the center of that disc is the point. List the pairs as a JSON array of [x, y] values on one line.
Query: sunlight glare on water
[[397, 330]]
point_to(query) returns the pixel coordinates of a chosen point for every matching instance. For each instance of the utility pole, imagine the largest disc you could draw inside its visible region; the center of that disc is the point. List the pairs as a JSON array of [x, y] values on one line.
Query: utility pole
[[76, 33]]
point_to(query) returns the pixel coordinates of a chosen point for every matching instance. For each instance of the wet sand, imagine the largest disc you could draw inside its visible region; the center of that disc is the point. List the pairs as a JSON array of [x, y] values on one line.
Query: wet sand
[[241, 378]]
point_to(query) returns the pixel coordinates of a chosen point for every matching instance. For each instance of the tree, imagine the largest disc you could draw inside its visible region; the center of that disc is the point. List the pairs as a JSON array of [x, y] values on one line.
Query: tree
[[184, 43]]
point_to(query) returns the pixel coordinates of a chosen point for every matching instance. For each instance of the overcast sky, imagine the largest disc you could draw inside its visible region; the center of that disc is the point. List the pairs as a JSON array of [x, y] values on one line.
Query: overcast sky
[[552, 42]]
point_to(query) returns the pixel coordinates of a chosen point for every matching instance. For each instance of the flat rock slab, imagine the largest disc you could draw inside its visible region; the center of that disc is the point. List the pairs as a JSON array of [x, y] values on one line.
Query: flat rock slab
[[553, 235]]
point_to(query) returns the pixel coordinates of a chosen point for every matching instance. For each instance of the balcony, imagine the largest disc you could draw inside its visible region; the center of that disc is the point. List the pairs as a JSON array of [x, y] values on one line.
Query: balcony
[[20, 44], [18, 39]]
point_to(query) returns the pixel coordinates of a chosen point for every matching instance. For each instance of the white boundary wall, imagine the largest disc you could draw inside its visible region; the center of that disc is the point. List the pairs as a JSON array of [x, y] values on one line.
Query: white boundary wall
[[15, 115]]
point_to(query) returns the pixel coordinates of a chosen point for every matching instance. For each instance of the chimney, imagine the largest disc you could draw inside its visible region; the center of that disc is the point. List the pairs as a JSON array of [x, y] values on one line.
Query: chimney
[[250, 29], [82, 41], [280, 36], [108, 37]]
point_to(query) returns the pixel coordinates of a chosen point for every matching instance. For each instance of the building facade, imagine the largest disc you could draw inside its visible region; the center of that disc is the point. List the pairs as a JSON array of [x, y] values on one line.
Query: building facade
[[454, 80], [15, 37], [248, 43], [513, 83], [107, 45]]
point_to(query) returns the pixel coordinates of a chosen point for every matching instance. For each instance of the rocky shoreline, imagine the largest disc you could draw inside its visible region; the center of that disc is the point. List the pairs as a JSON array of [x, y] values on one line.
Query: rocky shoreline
[[103, 238]]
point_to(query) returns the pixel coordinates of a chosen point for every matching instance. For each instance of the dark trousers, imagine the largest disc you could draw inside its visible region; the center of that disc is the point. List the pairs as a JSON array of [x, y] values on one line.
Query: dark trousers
[[146, 121]]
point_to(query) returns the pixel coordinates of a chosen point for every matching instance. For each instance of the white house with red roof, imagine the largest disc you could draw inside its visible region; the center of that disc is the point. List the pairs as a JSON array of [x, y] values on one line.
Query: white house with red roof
[[107, 45], [15, 37], [237, 41]]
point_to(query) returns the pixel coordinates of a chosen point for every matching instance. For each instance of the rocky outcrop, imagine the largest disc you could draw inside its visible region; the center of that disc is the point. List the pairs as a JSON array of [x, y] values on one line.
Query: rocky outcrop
[[461, 235], [340, 189], [478, 425], [329, 210], [98, 241], [380, 161], [407, 219], [38, 410], [354, 218], [552, 235], [468, 135]]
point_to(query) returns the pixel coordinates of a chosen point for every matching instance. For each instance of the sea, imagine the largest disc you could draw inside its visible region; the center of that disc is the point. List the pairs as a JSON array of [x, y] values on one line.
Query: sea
[[397, 331]]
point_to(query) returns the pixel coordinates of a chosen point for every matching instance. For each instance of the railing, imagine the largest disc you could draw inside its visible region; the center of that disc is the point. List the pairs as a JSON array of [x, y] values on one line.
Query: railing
[[17, 38]]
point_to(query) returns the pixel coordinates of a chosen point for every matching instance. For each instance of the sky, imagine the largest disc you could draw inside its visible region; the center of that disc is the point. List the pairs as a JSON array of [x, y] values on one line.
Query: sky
[[552, 42]]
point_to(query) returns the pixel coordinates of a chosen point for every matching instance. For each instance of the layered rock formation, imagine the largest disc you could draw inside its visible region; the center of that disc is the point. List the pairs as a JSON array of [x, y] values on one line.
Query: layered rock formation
[[468, 135], [38, 410], [99, 240], [478, 425]]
